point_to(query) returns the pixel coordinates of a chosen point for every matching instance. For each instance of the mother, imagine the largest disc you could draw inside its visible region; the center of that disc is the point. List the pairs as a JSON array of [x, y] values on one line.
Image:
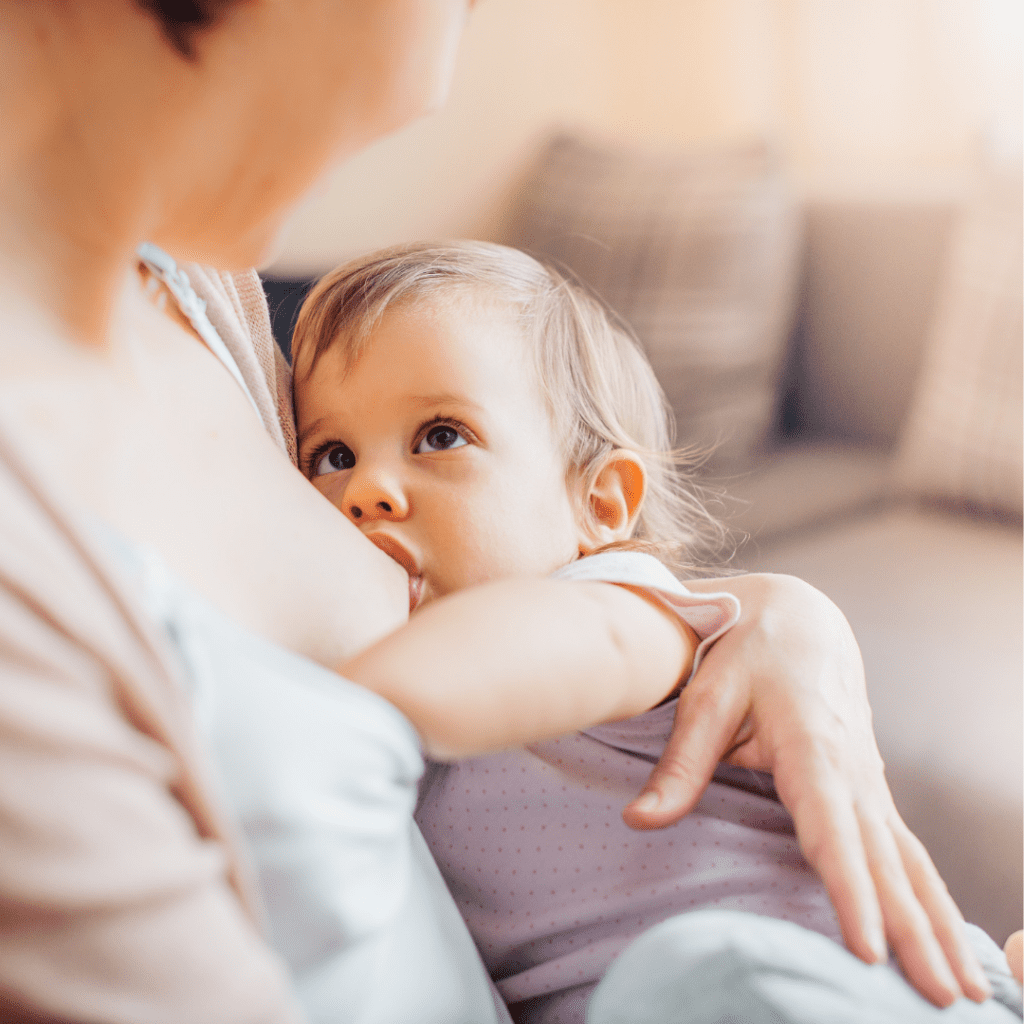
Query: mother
[[197, 125]]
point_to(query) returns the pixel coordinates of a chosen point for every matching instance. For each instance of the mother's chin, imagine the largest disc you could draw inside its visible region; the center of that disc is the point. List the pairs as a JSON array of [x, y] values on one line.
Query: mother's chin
[[256, 244]]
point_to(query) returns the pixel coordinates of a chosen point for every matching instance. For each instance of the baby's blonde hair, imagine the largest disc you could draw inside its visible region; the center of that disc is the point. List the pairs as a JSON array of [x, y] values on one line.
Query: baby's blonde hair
[[598, 384]]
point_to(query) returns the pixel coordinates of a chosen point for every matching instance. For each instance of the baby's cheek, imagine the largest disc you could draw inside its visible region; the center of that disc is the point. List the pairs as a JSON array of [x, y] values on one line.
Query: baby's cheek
[[472, 558]]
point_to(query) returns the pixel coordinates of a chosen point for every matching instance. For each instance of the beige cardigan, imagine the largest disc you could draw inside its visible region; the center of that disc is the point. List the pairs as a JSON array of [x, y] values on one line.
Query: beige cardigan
[[237, 308], [123, 896]]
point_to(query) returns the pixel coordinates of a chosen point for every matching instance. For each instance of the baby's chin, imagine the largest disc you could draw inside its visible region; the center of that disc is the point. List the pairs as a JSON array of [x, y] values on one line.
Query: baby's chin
[[424, 591], [418, 595]]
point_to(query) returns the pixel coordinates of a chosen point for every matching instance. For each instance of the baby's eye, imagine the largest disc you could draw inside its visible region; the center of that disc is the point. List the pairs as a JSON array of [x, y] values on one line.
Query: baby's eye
[[337, 457], [439, 439]]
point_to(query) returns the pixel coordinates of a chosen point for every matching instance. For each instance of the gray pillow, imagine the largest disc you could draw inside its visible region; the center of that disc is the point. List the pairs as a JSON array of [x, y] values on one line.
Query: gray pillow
[[698, 252], [962, 443]]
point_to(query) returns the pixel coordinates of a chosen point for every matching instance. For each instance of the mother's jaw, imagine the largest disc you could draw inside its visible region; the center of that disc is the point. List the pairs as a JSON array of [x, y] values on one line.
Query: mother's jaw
[[206, 156]]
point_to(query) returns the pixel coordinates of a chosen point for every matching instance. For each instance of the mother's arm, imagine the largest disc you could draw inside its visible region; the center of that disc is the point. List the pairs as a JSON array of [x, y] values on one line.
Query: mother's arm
[[784, 692]]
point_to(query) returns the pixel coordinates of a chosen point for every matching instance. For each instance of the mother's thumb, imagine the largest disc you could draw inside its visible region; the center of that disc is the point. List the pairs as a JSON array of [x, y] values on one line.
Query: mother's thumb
[[705, 723]]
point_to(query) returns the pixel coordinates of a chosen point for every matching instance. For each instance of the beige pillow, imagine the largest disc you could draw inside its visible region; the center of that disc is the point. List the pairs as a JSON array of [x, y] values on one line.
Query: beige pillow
[[698, 252], [962, 442]]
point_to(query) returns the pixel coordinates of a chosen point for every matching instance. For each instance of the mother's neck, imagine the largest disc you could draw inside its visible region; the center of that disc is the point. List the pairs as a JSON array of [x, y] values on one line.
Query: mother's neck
[[79, 185], [53, 258]]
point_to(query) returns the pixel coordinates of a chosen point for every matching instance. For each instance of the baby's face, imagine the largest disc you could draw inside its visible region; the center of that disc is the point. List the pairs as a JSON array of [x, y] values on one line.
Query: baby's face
[[438, 446]]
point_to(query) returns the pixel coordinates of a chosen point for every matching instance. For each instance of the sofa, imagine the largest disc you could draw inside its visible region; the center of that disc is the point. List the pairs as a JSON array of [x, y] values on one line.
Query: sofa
[[930, 584], [819, 358]]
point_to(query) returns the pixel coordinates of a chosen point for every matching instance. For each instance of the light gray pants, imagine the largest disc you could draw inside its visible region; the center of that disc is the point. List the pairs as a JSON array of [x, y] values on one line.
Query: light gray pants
[[726, 967]]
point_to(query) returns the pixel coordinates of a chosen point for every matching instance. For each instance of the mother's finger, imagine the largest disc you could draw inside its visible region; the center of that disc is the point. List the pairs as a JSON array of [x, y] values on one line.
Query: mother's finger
[[946, 920], [711, 711], [907, 925], [829, 833]]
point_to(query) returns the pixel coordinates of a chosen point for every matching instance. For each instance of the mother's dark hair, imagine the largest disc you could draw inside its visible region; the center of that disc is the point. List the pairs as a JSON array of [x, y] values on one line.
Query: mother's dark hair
[[182, 19]]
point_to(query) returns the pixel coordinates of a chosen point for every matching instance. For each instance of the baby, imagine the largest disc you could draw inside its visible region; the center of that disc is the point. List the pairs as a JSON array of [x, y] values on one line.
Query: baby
[[481, 418]]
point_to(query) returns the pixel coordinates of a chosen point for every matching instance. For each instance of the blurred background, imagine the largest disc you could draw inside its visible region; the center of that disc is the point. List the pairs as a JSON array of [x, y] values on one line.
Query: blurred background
[[810, 213], [860, 96]]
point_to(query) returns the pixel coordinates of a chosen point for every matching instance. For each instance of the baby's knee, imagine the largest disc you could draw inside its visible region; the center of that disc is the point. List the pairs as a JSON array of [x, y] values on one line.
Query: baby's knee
[[714, 966], [710, 966]]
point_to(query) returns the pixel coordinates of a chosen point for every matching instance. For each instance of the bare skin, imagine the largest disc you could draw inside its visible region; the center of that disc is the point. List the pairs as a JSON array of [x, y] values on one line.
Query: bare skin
[[139, 425], [1014, 950]]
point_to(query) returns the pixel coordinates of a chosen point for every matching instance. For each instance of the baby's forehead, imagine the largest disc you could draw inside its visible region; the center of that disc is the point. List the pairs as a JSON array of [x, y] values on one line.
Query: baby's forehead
[[493, 318], [470, 311], [458, 308], [455, 309]]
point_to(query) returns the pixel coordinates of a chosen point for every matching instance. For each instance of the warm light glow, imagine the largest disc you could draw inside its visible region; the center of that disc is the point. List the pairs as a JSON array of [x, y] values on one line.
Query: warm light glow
[[905, 96]]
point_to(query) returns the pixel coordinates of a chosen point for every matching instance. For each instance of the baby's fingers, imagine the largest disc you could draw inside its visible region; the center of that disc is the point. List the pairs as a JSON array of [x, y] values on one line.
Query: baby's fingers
[[1014, 950]]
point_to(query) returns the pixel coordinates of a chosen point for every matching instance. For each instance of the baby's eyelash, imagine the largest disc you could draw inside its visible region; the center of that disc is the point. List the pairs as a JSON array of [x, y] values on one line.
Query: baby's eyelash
[[309, 462], [312, 460], [444, 421]]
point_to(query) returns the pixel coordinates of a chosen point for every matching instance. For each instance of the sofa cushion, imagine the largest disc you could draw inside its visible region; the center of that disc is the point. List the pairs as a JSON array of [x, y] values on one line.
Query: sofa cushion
[[963, 438], [804, 485], [871, 275], [698, 252], [935, 601]]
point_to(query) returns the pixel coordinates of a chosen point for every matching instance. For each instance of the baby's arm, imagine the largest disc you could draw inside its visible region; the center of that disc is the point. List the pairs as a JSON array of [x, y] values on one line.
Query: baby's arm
[[517, 661]]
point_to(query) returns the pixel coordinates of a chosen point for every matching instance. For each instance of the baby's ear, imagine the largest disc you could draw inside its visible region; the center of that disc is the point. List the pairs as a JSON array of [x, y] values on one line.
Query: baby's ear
[[613, 500]]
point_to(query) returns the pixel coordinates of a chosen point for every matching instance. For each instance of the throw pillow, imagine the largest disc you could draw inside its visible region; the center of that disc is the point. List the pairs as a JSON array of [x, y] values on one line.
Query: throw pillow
[[698, 252], [962, 442]]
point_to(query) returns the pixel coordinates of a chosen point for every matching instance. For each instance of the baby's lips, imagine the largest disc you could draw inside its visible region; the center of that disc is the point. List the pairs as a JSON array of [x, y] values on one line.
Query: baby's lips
[[395, 550]]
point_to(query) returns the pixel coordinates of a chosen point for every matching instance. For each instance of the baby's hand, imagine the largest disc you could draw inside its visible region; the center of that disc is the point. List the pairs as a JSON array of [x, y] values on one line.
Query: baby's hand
[[1014, 950]]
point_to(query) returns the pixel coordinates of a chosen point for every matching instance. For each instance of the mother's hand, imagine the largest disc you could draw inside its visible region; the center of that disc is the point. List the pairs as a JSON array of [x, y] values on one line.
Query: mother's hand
[[783, 691]]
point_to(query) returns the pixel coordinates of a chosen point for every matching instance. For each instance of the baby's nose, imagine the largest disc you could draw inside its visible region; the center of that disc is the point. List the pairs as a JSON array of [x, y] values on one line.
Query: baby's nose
[[383, 506]]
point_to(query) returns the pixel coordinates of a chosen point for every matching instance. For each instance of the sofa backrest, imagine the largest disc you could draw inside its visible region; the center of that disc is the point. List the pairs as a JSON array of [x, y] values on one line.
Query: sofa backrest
[[870, 279], [870, 275]]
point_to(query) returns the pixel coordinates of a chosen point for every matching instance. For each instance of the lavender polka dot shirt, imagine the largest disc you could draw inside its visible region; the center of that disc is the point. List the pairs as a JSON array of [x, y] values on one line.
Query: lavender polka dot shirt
[[552, 883]]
